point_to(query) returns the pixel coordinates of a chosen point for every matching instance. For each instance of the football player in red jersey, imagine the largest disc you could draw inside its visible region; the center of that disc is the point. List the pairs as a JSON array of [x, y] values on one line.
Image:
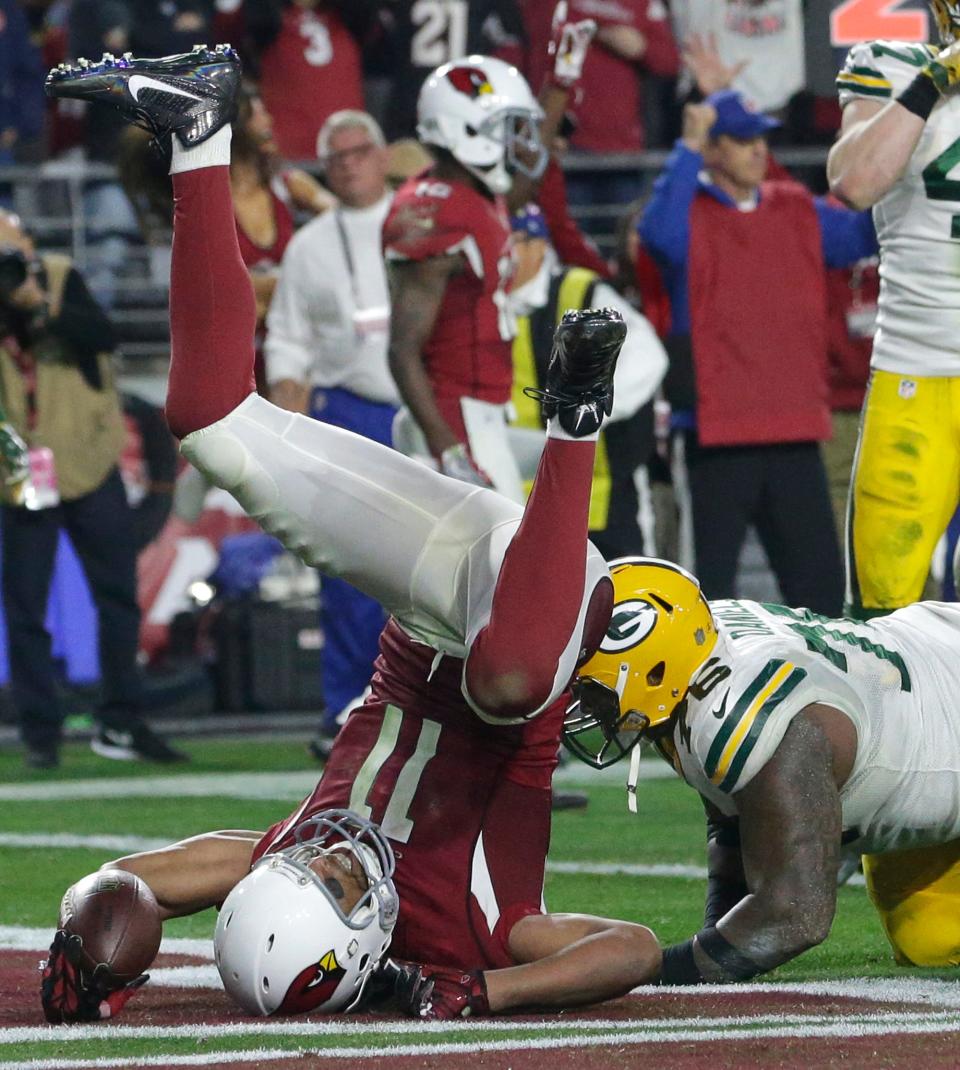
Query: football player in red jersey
[[429, 830], [447, 244]]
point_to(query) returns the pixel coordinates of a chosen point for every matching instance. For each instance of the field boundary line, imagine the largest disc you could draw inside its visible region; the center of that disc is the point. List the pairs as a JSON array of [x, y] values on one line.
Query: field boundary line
[[841, 1028]]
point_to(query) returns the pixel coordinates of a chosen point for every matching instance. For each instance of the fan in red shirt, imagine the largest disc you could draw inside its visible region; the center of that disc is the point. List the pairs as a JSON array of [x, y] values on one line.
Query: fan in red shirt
[[310, 67]]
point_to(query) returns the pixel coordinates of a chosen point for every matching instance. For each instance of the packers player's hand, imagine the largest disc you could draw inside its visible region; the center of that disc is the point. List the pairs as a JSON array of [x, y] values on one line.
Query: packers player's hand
[[944, 69]]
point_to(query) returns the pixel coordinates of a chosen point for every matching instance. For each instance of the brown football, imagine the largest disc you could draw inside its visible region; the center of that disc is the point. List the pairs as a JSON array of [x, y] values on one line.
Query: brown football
[[117, 918]]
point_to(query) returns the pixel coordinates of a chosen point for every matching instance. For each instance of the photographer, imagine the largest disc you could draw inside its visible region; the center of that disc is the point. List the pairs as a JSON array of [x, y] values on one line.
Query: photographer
[[57, 390]]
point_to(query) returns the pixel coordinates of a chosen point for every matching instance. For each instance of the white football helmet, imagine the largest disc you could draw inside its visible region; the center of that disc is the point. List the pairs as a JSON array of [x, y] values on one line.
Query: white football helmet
[[482, 112], [284, 945]]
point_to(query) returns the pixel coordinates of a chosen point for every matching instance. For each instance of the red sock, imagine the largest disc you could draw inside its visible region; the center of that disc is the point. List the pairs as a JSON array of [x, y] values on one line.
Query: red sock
[[539, 591], [213, 312]]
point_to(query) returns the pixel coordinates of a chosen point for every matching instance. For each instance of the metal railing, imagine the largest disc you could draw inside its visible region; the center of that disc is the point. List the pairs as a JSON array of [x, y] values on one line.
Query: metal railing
[[50, 199]]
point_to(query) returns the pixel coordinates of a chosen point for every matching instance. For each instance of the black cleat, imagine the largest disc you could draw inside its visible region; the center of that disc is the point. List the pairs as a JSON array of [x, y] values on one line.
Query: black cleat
[[138, 742], [579, 385], [191, 95]]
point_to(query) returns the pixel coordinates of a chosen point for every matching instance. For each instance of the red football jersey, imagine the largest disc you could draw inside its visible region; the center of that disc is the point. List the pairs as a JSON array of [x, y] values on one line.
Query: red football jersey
[[469, 352], [466, 805], [311, 70]]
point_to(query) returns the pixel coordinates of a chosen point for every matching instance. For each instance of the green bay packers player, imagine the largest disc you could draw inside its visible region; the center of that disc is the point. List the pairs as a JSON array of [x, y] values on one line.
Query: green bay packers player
[[899, 152], [804, 735]]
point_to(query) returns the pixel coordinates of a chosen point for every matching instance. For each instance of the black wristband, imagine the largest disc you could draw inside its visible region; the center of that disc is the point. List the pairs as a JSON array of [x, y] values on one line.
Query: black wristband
[[920, 96], [679, 966], [736, 966], [722, 896]]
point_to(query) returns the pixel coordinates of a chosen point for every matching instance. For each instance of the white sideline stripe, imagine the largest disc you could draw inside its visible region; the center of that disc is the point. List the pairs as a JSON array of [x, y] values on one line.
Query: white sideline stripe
[[341, 1028], [61, 840], [289, 785], [22, 938], [196, 785], [842, 1028], [64, 840]]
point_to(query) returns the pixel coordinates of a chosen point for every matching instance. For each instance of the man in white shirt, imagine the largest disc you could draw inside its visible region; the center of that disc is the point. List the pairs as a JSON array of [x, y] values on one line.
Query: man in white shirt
[[326, 355]]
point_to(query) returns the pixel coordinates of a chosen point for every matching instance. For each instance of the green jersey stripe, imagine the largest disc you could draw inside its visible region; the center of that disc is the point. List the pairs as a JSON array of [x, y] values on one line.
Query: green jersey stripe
[[734, 717], [916, 57], [749, 742], [864, 90]]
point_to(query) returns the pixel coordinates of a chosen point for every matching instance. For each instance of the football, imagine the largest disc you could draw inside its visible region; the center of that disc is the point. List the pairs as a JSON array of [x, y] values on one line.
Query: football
[[118, 921]]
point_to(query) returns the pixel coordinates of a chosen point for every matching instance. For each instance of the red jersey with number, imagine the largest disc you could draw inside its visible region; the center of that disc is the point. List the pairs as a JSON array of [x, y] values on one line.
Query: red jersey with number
[[311, 70], [468, 354], [466, 805]]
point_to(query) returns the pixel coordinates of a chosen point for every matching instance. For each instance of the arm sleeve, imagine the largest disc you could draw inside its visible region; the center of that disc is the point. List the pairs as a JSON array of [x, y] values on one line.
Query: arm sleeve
[[881, 70], [665, 224], [847, 236], [291, 345], [758, 709]]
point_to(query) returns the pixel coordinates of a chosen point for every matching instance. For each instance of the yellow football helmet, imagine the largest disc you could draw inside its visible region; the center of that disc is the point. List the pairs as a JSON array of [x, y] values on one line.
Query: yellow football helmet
[[947, 15], [661, 631]]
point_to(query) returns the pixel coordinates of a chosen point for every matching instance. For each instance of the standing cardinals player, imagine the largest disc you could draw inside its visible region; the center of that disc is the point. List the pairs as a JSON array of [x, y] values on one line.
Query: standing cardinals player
[[447, 245], [431, 823]]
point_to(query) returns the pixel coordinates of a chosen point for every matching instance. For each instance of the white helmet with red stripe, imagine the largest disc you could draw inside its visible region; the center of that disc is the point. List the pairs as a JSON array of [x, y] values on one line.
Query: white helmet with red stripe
[[482, 112], [289, 940]]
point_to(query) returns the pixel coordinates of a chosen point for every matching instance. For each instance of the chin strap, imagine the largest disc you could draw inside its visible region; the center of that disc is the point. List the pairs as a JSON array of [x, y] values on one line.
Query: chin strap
[[633, 777]]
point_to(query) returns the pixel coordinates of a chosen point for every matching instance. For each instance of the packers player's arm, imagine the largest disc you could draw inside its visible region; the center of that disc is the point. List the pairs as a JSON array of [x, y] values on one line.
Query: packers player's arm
[[875, 144], [726, 884], [789, 846], [416, 293], [195, 873]]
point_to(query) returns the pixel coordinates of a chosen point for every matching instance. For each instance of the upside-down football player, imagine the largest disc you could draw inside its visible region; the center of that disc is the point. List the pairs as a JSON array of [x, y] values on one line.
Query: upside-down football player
[[445, 772]]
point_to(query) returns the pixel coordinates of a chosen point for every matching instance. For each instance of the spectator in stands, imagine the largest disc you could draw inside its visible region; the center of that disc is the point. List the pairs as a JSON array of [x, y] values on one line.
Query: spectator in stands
[[633, 39], [730, 246], [422, 36], [264, 197], [326, 355], [56, 386], [308, 59], [621, 520], [762, 40], [22, 102], [97, 26]]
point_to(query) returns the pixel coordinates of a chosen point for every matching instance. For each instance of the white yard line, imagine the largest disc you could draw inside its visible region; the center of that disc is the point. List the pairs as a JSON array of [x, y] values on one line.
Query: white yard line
[[662, 1032], [126, 844], [343, 1028], [291, 785], [22, 938]]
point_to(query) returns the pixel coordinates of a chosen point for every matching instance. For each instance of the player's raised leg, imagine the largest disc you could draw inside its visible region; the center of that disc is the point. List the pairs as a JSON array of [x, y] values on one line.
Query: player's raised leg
[[552, 585], [345, 504]]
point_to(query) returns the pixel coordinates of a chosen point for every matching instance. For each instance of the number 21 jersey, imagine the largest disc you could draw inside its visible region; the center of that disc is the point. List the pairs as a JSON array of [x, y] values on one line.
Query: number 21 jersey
[[917, 222]]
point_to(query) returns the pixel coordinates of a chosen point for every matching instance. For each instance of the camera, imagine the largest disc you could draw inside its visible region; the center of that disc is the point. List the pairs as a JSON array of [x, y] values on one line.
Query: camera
[[14, 269]]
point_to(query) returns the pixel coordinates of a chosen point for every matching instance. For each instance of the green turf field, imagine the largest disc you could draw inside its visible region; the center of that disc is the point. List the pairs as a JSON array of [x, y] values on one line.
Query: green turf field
[[244, 783], [669, 829]]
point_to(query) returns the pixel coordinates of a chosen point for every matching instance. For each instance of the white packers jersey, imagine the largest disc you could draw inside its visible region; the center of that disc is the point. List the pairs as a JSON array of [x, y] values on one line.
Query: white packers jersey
[[896, 677], [917, 222]]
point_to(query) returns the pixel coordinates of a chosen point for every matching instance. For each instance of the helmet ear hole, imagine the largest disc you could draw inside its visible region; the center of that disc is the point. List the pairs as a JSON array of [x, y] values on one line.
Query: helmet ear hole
[[656, 674]]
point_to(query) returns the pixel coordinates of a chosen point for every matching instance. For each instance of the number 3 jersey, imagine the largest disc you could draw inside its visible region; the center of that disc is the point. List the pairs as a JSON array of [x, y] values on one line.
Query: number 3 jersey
[[917, 222], [896, 679]]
